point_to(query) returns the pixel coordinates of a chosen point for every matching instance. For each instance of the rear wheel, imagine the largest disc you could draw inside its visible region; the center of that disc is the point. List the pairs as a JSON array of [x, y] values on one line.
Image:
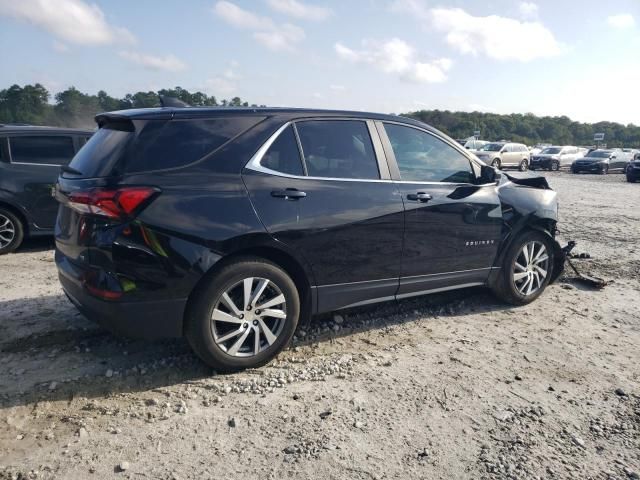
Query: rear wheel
[[11, 231], [526, 269], [524, 165], [243, 316]]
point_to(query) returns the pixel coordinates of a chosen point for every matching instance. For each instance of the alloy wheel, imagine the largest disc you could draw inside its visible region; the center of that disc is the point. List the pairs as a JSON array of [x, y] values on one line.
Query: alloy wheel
[[7, 231], [531, 268], [248, 317], [524, 166]]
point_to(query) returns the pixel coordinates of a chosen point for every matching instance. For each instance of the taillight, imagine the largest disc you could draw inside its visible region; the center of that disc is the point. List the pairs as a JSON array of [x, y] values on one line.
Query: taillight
[[117, 204]]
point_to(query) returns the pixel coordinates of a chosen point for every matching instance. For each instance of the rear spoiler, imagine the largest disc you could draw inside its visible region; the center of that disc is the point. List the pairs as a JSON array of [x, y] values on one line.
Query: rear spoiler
[[534, 182]]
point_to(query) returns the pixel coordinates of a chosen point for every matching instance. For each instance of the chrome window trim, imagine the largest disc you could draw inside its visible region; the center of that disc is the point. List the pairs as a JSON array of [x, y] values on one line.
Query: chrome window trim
[[255, 165]]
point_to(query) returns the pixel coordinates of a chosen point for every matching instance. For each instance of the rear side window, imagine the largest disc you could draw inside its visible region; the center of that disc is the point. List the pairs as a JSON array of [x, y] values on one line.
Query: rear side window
[[283, 154], [41, 149], [175, 143], [338, 149]]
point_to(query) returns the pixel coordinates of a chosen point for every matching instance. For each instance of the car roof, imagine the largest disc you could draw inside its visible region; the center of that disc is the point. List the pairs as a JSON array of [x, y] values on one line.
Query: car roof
[[13, 128], [195, 112]]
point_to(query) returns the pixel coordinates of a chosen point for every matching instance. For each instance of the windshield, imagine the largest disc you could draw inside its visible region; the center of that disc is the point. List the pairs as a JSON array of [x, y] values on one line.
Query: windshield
[[492, 147], [599, 154], [551, 151]]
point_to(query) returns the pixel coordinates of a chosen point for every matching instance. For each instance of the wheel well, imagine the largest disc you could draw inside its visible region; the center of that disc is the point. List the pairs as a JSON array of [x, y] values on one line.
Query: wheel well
[[18, 214], [283, 260]]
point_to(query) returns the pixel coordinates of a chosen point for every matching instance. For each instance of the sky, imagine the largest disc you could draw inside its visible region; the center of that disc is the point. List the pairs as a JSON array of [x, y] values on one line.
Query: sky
[[579, 58]]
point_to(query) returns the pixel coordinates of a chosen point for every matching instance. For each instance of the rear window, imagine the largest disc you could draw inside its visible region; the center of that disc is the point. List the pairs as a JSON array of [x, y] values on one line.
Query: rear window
[[175, 143], [99, 155], [41, 149], [156, 144]]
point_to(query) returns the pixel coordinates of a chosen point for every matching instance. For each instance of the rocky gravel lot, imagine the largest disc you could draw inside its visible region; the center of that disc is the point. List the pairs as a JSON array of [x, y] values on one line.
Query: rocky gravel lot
[[447, 386]]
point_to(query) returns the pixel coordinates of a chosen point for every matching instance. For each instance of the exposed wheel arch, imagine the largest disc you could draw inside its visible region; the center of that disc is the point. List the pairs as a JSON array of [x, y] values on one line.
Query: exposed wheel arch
[[280, 258], [18, 213]]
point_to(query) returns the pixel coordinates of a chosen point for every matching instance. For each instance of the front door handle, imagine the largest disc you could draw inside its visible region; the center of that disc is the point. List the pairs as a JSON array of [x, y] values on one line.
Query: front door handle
[[419, 197], [289, 194]]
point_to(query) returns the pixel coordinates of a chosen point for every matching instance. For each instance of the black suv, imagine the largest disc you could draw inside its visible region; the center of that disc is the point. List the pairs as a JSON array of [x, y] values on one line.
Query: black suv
[[230, 225], [30, 160], [633, 169]]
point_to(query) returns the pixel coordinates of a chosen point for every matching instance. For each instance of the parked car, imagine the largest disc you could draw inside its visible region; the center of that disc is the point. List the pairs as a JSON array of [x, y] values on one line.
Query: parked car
[[555, 158], [538, 148], [505, 154], [30, 160], [601, 161], [230, 226], [633, 169], [474, 144]]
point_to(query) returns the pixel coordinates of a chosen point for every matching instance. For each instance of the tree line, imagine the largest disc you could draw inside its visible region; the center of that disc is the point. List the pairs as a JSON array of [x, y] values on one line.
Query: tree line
[[72, 108], [528, 128], [32, 104]]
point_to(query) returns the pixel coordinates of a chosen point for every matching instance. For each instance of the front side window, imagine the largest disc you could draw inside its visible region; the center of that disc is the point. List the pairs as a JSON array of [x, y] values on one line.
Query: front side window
[[338, 149], [283, 154], [42, 149], [422, 157]]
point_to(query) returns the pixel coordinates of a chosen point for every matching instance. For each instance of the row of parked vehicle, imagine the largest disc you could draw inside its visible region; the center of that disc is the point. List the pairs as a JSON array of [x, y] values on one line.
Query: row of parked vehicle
[[554, 158]]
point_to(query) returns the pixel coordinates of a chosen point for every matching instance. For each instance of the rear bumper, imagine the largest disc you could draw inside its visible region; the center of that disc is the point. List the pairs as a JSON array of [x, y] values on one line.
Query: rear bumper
[[150, 319]]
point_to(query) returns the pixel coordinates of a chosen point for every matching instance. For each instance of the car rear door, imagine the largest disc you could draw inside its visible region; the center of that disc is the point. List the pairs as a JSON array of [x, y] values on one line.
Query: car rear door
[[322, 187], [35, 164], [452, 225]]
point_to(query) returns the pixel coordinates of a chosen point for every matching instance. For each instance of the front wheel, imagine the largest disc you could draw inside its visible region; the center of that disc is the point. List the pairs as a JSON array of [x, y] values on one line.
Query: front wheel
[[604, 170], [555, 166], [631, 179], [243, 316], [496, 163], [11, 231], [526, 269], [524, 165]]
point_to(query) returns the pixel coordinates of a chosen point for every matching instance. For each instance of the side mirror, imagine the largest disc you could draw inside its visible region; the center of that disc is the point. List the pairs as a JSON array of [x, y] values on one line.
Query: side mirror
[[613, 157], [487, 174]]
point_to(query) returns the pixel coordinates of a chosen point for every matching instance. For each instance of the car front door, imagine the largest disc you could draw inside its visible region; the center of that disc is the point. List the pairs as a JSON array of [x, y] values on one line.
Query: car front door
[[35, 165], [452, 224], [323, 189]]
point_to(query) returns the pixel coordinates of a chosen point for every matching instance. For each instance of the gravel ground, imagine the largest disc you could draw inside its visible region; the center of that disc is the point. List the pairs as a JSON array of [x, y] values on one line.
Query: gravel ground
[[446, 386]]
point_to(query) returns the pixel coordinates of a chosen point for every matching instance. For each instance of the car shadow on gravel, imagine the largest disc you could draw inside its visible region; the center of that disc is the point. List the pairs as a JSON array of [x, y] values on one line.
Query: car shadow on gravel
[[37, 244], [76, 358]]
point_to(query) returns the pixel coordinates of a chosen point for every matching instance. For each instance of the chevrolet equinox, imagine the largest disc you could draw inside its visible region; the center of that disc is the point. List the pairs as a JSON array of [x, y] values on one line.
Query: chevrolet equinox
[[230, 226]]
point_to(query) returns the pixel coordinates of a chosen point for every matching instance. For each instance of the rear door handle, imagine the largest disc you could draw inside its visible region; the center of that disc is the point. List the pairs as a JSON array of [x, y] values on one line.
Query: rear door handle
[[419, 197], [289, 194]]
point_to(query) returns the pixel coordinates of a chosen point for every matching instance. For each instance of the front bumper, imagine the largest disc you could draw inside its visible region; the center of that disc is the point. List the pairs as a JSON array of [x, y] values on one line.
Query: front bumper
[[149, 319], [588, 167], [633, 172]]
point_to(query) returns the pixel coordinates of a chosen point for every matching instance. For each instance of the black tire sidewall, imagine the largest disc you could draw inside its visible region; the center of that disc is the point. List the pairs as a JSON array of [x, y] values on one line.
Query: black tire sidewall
[[524, 166], [198, 327], [555, 166], [19, 231], [507, 289]]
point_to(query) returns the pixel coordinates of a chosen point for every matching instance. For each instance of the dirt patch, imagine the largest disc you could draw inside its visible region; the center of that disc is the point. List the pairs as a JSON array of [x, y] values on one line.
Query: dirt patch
[[447, 386]]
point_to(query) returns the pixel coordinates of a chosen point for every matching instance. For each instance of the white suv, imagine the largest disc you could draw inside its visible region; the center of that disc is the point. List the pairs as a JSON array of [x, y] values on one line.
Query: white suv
[[502, 155]]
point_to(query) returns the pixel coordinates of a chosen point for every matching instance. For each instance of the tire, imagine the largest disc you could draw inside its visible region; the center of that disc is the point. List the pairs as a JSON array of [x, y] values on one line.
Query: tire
[[555, 166], [496, 163], [512, 289], [207, 334], [604, 170], [524, 165], [631, 179], [11, 231], [574, 171]]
